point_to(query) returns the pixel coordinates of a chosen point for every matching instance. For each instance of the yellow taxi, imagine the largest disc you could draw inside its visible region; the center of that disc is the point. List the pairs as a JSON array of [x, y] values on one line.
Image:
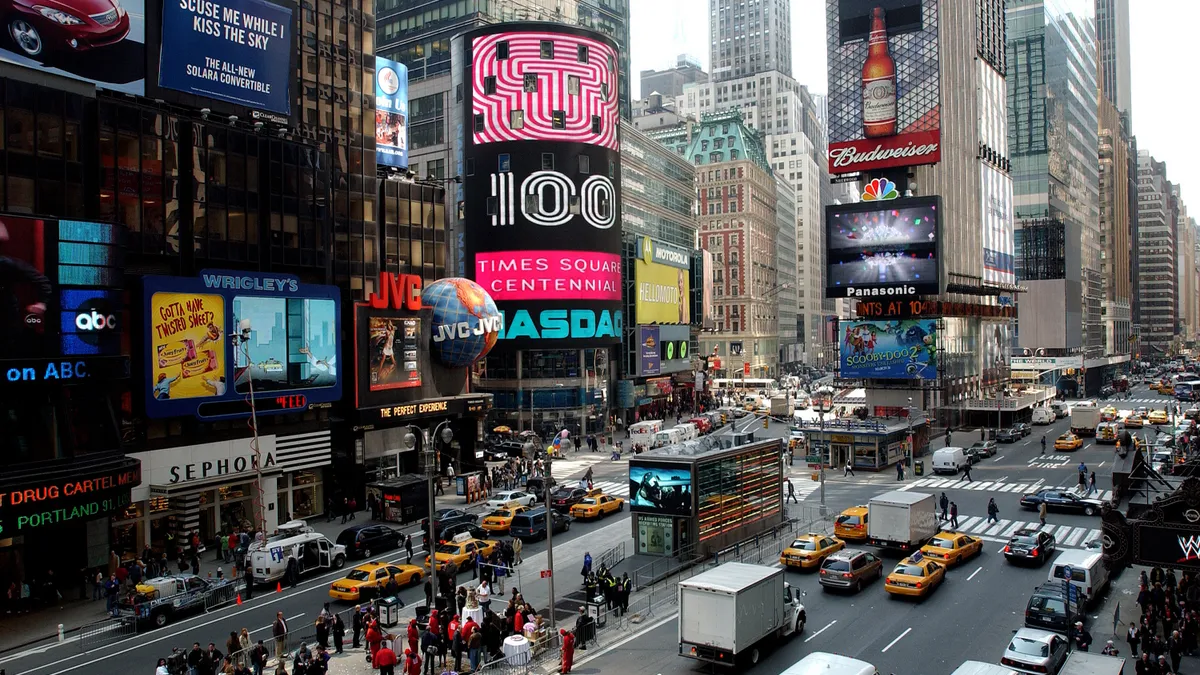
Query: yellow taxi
[[501, 519], [1155, 386], [810, 550], [916, 576], [1068, 442], [1108, 414], [1167, 389], [597, 506], [851, 524], [366, 580], [952, 548], [1158, 417], [1134, 421], [459, 550]]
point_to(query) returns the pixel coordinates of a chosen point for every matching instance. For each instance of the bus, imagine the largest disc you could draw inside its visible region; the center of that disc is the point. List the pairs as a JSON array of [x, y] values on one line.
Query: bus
[[1187, 390], [749, 384]]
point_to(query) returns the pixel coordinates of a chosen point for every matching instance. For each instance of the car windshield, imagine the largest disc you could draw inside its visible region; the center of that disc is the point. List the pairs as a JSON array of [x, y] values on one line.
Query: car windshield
[[804, 545], [848, 520], [358, 575], [589, 500], [910, 570], [499, 513], [1049, 605], [1077, 574], [1029, 647], [837, 565], [942, 542], [1025, 540]]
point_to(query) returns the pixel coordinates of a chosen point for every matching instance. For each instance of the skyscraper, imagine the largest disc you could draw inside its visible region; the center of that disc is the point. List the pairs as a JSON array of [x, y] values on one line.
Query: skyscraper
[[1112, 32], [749, 38], [1158, 290]]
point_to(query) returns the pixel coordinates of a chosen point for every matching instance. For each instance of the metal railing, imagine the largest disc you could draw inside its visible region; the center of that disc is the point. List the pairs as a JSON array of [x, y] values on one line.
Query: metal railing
[[223, 595], [543, 651], [107, 631], [612, 556], [652, 572]]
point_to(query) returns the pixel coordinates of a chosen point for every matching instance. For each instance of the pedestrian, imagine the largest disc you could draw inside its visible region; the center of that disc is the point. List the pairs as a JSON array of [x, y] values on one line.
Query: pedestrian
[[583, 629], [966, 472], [484, 593], [948, 432], [1042, 513], [1111, 650], [1083, 639], [194, 657], [568, 651], [474, 645], [1043, 444], [1082, 487], [791, 491], [993, 511], [1133, 637], [900, 470], [954, 515], [356, 625], [944, 502], [248, 577], [516, 548], [259, 656], [429, 649], [429, 592], [322, 631], [1092, 487], [385, 660], [279, 631], [1175, 648], [849, 470], [412, 662], [408, 548]]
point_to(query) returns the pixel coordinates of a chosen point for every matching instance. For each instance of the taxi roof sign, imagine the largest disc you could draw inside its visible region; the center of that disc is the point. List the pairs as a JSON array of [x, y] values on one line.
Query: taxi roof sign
[[918, 557], [462, 538]]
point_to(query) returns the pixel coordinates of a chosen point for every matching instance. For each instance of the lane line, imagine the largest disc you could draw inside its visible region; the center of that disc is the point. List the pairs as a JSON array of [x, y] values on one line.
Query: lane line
[[893, 642], [810, 637], [998, 459], [977, 569], [1100, 465]]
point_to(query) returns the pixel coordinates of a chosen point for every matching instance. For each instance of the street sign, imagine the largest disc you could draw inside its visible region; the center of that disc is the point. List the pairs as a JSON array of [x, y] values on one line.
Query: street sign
[[1068, 572], [546, 574]]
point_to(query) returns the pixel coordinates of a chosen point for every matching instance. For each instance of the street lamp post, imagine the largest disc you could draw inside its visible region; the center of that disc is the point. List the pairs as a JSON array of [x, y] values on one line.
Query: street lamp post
[[821, 460], [912, 455], [417, 437]]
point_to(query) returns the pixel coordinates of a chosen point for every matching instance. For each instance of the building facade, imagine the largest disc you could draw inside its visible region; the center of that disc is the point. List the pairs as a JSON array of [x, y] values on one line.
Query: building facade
[[749, 38], [670, 82], [1158, 286], [787, 274], [1116, 229], [658, 190], [1112, 33]]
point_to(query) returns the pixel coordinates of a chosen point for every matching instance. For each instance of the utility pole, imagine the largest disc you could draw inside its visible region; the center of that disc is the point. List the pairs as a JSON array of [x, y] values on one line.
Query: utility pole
[[821, 460]]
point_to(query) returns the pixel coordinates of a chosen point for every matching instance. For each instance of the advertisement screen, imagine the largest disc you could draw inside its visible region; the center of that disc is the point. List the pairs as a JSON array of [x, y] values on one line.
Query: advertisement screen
[[884, 89], [997, 219], [1168, 546], [900, 350], [709, 321], [391, 113], [674, 344], [739, 490], [28, 293], [662, 272], [97, 41], [393, 360], [549, 275], [238, 51], [286, 335], [649, 359], [660, 488], [885, 249], [997, 351]]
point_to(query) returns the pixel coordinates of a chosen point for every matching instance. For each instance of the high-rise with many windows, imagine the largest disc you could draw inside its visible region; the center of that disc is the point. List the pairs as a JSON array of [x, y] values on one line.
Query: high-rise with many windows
[[1158, 290], [747, 37]]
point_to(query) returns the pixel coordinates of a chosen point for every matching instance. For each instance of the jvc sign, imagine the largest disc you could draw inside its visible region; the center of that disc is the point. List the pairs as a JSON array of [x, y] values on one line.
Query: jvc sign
[[463, 330]]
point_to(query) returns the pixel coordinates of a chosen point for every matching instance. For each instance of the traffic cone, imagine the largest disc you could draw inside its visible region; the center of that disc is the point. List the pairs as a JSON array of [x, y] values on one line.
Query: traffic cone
[[239, 598], [278, 587]]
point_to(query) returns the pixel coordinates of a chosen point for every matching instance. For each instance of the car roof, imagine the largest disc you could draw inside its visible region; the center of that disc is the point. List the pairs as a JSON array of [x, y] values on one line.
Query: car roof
[[1035, 634], [846, 553], [1025, 532], [370, 566]]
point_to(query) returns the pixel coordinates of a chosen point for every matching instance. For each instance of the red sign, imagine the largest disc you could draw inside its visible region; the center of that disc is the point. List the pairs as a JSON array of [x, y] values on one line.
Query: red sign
[[397, 291], [546, 574], [864, 154], [890, 411], [745, 369]]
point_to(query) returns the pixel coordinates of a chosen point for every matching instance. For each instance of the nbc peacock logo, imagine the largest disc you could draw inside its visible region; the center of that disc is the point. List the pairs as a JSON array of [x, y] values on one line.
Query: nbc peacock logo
[[878, 190]]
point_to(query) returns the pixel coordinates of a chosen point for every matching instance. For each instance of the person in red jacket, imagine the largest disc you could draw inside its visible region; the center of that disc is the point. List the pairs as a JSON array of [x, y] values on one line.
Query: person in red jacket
[[568, 651], [374, 639], [385, 660], [434, 624], [412, 663], [469, 627], [518, 622], [414, 634]]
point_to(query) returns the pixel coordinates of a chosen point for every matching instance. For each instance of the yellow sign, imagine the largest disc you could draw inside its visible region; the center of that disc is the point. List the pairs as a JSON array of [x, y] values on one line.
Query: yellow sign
[[187, 339], [662, 293]]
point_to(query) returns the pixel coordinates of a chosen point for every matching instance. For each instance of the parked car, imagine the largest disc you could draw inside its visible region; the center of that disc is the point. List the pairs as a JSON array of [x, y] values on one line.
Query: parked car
[[1062, 499], [1009, 435], [363, 541], [974, 455], [1030, 546], [443, 518], [1036, 651], [988, 448], [1024, 428]]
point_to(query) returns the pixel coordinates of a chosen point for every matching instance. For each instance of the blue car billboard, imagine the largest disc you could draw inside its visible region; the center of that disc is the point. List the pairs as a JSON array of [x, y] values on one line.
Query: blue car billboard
[[897, 350], [238, 51], [391, 113]]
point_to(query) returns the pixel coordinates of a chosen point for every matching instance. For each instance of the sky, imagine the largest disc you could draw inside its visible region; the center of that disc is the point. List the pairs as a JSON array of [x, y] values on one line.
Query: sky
[[663, 29]]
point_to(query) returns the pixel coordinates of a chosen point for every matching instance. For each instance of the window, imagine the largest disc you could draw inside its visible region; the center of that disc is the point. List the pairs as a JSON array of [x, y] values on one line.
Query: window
[[604, 90], [546, 49], [573, 85], [558, 119], [504, 162], [479, 123], [547, 161], [585, 164], [470, 166], [489, 84], [502, 49], [531, 83], [581, 53], [516, 119], [595, 124]]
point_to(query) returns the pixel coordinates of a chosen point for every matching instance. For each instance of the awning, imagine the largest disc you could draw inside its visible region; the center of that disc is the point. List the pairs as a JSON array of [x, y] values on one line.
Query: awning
[[194, 486]]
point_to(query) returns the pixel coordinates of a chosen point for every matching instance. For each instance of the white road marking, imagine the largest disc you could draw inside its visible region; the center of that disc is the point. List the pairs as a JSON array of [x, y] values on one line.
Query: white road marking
[[998, 459], [1075, 536], [1001, 480], [977, 569], [810, 637], [968, 523], [898, 638], [1009, 532], [1100, 465]]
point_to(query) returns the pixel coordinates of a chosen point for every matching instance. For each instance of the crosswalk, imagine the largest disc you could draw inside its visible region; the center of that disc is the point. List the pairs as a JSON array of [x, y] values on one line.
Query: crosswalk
[[1161, 400], [989, 486], [1066, 535], [576, 466], [612, 487]]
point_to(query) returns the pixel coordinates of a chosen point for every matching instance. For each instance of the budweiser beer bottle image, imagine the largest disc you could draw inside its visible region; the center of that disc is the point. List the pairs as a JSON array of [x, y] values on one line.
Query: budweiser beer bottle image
[[879, 82]]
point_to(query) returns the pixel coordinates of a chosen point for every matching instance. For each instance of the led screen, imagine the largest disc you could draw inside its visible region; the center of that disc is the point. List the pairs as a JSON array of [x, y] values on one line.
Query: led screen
[[883, 249], [660, 488], [904, 350], [293, 344]]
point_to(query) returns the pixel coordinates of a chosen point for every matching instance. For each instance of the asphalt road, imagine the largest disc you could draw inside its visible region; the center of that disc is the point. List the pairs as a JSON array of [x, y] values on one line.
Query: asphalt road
[[971, 616]]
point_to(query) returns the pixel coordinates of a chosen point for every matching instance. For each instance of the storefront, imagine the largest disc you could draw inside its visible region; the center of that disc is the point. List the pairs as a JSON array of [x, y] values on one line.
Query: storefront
[[871, 444], [214, 488], [707, 501], [388, 440]]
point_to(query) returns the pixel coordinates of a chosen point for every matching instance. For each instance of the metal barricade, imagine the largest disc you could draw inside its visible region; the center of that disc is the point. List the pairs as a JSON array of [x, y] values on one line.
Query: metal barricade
[[101, 633], [223, 595], [611, 557]]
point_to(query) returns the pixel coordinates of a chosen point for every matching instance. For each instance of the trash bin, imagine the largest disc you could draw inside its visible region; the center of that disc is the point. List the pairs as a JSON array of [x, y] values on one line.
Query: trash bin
[[389, 611], [918, 467]]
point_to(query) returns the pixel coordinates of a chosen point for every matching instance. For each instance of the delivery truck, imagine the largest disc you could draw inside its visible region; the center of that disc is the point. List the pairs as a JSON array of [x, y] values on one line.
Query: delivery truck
[[1091, 663], [1084, 418], [729, 614], [903, 521], [781, 406]]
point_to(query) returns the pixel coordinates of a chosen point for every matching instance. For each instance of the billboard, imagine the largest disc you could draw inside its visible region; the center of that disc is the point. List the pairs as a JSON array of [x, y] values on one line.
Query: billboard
[[996, 204], [649, 360], [656, 487], [997, 352], [97, 41], [662, 273], [238, 51], [391, 113], [898, 350], [212, 340], [887, 249], [392, 359], [541, 182], [674, 349], [884, 90], [708, 321]]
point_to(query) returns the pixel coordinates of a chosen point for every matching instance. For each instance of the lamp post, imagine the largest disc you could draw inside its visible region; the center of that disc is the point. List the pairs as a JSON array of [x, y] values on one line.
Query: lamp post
[[416, 437], [532, 451], [912, 455], [241, 342], [829, 449]]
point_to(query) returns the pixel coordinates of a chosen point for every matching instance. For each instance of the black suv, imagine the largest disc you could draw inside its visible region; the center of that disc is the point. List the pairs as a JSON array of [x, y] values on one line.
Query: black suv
[[564, 498], [362, 541], [1050, 608], [443, 518], [531, 525]]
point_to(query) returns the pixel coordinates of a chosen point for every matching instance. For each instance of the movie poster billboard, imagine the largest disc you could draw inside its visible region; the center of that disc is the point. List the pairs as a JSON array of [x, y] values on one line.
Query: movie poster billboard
[[996, 204], [898, 350], [884, 89], [393, 360], [391, 113], [663, 275]]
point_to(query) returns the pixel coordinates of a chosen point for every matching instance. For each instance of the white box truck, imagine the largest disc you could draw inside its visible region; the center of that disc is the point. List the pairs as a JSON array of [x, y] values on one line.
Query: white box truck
[[1091, 663], [903, 521], [728, 614], [781, 406], [1084, 418]]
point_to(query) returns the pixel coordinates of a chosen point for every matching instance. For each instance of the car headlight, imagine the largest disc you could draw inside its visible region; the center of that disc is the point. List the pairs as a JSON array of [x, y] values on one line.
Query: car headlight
[[58, 16]]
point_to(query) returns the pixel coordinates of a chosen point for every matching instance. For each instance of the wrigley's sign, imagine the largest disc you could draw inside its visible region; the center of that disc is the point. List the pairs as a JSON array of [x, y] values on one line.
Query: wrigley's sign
[[912, 149]]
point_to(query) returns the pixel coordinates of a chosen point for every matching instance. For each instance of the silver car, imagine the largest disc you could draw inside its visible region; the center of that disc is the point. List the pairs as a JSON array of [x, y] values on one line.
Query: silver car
[[1036, 651]]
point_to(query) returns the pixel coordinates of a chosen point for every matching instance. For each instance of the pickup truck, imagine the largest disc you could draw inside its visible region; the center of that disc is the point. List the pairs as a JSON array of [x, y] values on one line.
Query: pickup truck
[[160, 600], [728, 614], [903, 521]]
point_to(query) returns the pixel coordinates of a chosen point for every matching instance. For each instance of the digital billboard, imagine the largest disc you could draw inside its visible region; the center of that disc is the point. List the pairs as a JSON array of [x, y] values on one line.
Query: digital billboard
[[996, 204], [674, 345], [997, 352], [883, 249], [656, 487], [238, 51], [649, 360], [212, 340], [97, 41], [391, 113], [708, 321], [897, 350], [662, 273], [884, 87], [541, 182], [393, 358]]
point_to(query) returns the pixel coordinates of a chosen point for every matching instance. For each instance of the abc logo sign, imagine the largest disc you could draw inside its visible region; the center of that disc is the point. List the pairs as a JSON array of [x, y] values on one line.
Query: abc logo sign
[[95, 321]]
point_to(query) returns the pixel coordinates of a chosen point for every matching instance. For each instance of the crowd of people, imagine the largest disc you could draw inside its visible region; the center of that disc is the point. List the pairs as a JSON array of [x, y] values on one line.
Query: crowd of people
[[1169, 625]]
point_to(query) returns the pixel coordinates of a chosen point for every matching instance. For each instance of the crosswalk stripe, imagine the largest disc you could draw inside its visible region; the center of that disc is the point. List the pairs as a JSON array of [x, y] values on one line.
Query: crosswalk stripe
[[984, 486], [996, 528], [1092, 534], [1075, 536], [1015, 526], [1048, 528], [968, 524]]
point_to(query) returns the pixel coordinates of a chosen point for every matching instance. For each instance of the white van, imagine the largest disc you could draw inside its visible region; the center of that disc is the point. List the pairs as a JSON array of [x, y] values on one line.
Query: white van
[[949, 460], [824, 663], [1088, 572], [642, 433], [688, 430], [311, 551], [981, 668], [667, 437], [1044, 416], [1060, 409]]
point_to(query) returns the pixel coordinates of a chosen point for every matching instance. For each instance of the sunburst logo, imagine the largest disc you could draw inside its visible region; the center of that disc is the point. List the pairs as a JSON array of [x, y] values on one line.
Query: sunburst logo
[[878, 190]]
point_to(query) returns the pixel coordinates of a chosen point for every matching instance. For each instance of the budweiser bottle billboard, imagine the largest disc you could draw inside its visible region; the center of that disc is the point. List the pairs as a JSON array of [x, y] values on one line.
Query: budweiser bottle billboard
[[879, 82]]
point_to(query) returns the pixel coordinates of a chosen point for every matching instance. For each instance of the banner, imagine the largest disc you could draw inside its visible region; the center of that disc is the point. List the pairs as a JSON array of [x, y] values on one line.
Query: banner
[[238, 52], [648, 351], [663, 275], [391, 113], [903, 350]]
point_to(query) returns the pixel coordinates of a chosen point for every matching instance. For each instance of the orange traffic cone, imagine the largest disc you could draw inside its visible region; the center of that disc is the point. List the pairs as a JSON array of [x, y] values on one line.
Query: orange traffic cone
[[278, 587], [239, 598]]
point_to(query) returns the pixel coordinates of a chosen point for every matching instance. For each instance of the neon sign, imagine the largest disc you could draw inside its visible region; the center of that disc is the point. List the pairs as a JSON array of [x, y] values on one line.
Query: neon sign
[[558, 324]]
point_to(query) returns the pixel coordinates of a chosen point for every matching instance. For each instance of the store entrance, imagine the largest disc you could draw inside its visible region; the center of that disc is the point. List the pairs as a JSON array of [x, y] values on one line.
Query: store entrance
[[840, 455]]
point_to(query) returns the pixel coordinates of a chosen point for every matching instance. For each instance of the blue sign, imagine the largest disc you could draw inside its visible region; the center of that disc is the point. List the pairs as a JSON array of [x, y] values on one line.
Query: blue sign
[[562, 324], [391, 113], [648, 356], [237, 51], [899, 350]]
